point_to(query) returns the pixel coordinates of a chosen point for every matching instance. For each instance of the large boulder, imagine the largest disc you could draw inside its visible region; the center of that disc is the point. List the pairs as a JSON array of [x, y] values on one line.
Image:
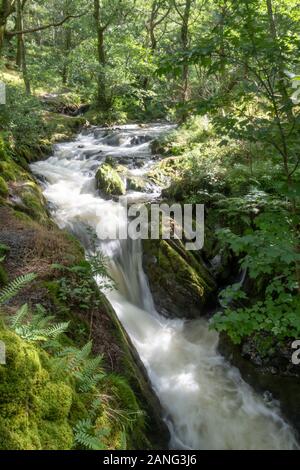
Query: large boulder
[[109, 181], [180, 284]]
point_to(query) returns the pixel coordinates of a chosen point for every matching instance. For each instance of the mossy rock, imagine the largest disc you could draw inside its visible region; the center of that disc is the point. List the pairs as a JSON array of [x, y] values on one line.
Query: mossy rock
[[23, 371], [17, 432], [33, 202], [109, 181], [54, 401], [56, 435], [33, 409], [181, 285], [136, 183]]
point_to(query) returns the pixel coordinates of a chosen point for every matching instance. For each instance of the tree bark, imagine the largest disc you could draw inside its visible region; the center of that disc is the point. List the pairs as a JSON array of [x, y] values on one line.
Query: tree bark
[[67, 44], [21, 53], [19, 26], [6, 9], [102, 101], [287, 103], [185, 44]]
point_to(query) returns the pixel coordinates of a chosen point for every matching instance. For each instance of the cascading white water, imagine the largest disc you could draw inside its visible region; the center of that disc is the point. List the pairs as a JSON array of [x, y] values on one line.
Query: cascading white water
[[206, 403]]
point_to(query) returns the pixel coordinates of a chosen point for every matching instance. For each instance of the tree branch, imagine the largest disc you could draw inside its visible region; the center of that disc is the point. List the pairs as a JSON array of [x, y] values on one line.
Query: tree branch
[[47, 26]]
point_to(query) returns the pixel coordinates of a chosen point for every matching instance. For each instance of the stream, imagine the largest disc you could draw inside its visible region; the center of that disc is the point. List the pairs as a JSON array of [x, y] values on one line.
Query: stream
[[206, 404]]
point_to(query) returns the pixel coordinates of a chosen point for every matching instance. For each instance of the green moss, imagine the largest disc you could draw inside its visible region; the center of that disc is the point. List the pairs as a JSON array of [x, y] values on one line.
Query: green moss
[[23, 371], [61, 127], [109, 181], [23, 217], [181, 284], [136, 183], [3, 188], [33, 202], [56, 435], [34, 410], [172, 263], [54, 401], [7, 172], [2, 149], [165, 170], [18, 432]]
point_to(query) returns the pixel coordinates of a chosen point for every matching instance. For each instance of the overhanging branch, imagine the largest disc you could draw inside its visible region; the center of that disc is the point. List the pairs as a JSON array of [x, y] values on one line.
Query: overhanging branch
[[47, 26]]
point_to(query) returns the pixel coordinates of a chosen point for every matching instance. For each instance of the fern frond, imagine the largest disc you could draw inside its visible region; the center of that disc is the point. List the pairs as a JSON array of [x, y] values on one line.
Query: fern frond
[[89, 383], [17, 319], [53, 331], [27, 333], [15, 286], [78, 356], [85, 435]]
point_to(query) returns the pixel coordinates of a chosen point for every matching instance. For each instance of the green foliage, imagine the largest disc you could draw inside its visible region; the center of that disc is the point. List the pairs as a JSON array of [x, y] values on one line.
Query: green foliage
[[269, 257], [88, 437], [53, 385], [14, 287], [87, 371], [3, 188], [77, 288], [35, 326]]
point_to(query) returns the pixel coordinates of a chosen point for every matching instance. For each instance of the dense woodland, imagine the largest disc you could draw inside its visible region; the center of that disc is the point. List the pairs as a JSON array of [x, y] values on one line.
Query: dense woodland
[[227, 73]]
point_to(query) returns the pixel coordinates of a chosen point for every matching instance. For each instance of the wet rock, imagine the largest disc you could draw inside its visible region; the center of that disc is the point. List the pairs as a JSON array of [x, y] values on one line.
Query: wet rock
[[109, 181], [92, 153], [140, 139], [139, 162], [181, 286], [136, 183]]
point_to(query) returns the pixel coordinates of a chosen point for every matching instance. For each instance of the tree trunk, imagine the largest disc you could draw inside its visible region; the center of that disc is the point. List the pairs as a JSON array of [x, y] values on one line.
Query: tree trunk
[[5, 12], [102, 101], [2, 31], [185, 45], [67, 49], [21, 53], [287, 103], [67, 43], [19, 25]]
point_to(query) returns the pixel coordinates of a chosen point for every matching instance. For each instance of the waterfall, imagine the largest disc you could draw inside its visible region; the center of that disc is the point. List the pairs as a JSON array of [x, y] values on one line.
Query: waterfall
[[206, 403]]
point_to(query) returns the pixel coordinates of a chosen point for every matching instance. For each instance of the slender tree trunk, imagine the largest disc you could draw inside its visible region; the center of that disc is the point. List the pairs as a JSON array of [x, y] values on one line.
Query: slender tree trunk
[[102, 101], [153, 45], [185, 65], [281, 85], [67, 49], [2, 31], [21, 54], [19, 25], [67, 43], [5, 12], [185, 43]]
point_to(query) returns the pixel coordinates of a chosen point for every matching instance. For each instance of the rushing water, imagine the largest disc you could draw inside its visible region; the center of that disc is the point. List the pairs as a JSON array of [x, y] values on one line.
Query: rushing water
[[206, 403]]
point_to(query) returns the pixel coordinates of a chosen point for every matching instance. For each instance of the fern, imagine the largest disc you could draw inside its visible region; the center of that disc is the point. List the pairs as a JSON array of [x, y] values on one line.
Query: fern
[[36, 328], [16, 320], [14, 287], [77, 356], [88, 437], [86, 370]]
